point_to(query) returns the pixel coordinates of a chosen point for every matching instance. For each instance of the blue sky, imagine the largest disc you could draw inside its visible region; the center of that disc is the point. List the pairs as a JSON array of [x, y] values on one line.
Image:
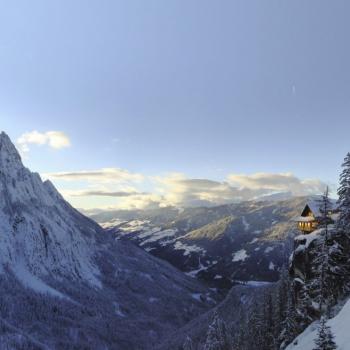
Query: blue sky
[[199, 88]]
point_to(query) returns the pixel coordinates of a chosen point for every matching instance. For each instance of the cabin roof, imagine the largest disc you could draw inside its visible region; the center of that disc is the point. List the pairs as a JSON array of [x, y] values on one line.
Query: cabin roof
[[314, 206]]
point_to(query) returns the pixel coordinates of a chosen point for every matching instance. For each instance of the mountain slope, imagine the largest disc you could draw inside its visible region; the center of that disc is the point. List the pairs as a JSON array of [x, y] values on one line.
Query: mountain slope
[[219, 245], [339, 326], [238, 302], [67, 284]]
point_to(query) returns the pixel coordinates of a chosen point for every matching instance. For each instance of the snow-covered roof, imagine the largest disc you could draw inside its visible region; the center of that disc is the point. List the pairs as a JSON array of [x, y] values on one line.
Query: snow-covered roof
[[304, 219], [314, 205]]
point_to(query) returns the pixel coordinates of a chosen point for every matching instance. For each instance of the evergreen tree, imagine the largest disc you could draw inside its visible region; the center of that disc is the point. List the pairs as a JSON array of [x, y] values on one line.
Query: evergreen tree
[[256, 328], [332, 259], [325, 207], [341, 264], [325, 338], [269, 339], [304, 305], [188, 345], [282, 293], [240, 335], [322, 282], [290, 326], [344, 197], [217, 337]]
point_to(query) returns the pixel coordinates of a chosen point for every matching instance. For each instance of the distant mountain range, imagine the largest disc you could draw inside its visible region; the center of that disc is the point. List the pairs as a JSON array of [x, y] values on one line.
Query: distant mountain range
[[222, 245]]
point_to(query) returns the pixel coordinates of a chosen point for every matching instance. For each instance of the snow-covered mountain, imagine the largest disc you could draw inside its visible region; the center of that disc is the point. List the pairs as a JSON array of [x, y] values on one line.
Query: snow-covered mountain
[[67, 284], [245, 241], [41, 234]]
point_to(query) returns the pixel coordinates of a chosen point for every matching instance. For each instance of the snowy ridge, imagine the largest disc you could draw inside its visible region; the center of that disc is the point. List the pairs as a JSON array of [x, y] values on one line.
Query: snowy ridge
[[40, 233]]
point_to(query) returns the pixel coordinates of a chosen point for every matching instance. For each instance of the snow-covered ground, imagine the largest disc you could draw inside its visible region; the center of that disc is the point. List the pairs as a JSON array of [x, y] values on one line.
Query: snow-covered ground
[[245, 223], [339, 326], [188, 249], [268, 250], [155, 236], [241, 255]]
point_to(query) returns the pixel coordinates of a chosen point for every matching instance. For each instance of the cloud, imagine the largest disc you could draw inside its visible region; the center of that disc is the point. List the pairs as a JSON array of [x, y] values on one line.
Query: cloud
[[143, 201], [120, 188], [278, 182], [54, 139], [103, 193], [104, 175], [181, 191]]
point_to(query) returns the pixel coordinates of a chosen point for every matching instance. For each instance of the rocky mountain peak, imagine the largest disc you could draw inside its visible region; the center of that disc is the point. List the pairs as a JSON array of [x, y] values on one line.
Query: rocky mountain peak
[[10, 160]]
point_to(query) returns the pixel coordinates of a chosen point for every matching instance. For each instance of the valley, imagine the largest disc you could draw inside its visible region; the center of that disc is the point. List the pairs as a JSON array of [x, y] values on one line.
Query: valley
[[221, 246]]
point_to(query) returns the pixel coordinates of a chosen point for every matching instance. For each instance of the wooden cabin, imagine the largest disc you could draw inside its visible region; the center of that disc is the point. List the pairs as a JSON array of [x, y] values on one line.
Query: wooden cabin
[[309, 219]]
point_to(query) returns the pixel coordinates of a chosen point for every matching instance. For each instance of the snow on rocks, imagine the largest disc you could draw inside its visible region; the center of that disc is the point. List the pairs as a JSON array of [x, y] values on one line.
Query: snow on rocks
[[308, 238]]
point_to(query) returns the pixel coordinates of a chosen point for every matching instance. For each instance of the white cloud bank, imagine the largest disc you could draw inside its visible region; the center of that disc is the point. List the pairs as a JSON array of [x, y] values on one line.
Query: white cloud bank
[[127, 188], [278, 182], [54, 139], [181, 191]]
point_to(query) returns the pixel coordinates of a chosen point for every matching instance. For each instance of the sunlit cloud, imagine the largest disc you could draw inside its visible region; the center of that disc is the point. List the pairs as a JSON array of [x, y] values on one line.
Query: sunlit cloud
[[104, 175], [281, 182], [53, 139], [179, 190], [127, 190], [102, 193]]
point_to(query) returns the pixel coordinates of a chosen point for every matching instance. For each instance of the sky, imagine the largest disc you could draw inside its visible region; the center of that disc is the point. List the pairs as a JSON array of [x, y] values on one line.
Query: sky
[[145, 103]]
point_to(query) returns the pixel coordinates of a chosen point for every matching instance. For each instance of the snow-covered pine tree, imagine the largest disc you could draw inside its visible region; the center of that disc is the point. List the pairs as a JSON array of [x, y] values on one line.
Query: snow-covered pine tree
[[304, 305], [188, 344], [283, 291], [340, 258], [325, 207], [240, 336], [268, 322], [322, 261], [344, 197], [325, 338], [332, 260], [290, 326], [256, 336], [217, 336]]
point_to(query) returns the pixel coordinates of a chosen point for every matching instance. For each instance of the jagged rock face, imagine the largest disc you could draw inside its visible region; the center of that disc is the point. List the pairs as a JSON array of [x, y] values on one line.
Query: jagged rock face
[[305, 249], [40, 233]]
